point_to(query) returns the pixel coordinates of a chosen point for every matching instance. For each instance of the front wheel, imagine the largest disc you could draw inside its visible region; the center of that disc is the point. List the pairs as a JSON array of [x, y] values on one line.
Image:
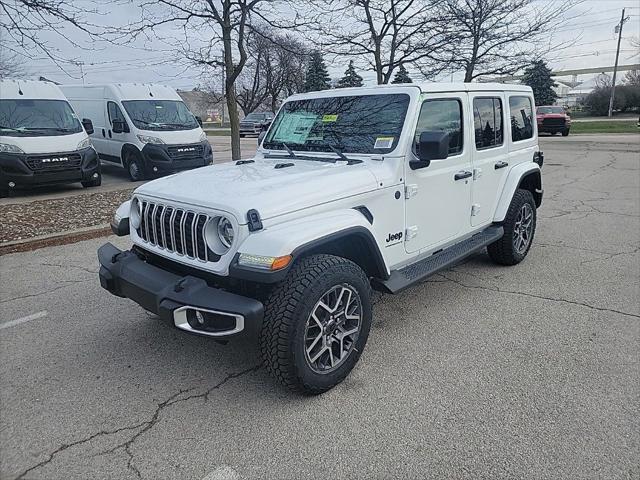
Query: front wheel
[[94, 182], [135, 167], [519, 228], [565, 133], [316, 323]]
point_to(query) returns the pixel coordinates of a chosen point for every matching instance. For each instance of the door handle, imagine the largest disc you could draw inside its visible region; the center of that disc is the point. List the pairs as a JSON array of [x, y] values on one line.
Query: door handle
[[500, 165], [462, 175], [109, 133]]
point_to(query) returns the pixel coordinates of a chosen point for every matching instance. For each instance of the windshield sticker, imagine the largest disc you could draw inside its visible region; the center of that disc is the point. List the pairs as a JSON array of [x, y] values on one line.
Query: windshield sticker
[[329, 118], [383, 142], [295, 128]]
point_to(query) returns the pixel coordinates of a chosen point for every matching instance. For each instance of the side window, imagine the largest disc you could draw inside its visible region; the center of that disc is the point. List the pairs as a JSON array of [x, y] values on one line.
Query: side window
[[443, 115], [521, 112], [487, 119], [114, 112]]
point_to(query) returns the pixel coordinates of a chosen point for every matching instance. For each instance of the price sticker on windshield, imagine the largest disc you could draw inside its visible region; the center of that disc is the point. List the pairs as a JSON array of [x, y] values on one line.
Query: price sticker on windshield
[[383, 142], [329, 118]]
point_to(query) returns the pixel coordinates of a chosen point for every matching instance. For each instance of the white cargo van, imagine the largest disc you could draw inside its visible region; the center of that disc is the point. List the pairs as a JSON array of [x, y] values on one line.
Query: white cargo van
[[41, 139], [145, 128]]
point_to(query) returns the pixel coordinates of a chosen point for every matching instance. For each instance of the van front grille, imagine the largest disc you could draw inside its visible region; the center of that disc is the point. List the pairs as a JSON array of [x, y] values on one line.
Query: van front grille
[[54, 162], [186, 152], [175, 230]]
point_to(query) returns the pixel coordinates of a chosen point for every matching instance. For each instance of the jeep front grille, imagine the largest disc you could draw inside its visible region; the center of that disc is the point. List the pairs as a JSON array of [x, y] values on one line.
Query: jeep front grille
[[175, 230]]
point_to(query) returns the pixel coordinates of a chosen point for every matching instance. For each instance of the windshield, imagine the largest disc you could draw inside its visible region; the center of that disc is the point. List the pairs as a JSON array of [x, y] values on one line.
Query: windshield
[[29, 118], [546, 110], [354, 124], [160, 115]]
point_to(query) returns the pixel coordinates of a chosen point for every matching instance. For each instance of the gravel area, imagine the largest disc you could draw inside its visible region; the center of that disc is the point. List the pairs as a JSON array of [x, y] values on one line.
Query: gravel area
[[42, 217]]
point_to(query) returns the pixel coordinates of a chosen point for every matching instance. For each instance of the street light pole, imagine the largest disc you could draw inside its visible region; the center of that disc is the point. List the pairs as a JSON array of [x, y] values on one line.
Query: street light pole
[[615, 67]]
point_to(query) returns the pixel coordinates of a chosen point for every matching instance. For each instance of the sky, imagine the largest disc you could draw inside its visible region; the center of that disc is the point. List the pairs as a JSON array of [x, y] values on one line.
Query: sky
[[592, 35]]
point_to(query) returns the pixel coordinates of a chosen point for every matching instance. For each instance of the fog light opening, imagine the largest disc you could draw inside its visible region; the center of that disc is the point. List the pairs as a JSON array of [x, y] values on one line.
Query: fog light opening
[[95, 175], [155, 169], [12, 184]]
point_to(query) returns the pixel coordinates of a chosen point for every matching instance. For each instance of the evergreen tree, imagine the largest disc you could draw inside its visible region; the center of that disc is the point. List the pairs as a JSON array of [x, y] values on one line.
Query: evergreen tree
[[538, 77], [402, 76], [317, 77], [351, 77]]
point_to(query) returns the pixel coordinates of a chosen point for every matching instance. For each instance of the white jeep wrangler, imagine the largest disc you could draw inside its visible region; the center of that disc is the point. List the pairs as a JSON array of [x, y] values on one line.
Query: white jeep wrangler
[[351, 189]]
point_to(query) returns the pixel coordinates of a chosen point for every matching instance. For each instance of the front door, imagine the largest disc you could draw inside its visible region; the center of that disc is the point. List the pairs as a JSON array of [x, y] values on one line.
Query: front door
[[114, 141], [439, 196]]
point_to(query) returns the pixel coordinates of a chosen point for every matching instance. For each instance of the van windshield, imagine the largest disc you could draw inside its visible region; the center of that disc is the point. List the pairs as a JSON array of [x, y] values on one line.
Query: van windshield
[[31, 118], [160, 115], [355, 124]]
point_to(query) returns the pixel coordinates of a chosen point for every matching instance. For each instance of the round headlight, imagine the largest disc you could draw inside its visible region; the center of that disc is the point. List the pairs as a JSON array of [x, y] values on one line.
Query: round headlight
[[136, 213], [225, 231]]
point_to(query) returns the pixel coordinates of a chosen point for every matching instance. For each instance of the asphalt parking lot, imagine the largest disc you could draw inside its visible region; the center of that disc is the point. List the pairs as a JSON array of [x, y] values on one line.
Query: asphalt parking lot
[[483, 371]]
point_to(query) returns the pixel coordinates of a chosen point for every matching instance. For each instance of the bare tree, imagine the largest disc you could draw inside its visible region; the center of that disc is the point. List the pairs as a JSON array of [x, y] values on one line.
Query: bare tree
[[22, 22], [497, 37], [214, 34], [11, 65], [385, 33]]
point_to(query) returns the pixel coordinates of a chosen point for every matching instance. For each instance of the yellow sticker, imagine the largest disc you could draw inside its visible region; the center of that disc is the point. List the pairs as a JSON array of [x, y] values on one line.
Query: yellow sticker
[[329, 118]]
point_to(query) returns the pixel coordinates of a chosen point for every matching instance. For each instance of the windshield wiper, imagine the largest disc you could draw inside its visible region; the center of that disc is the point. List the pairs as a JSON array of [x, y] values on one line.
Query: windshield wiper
[[2, 127], [289, 151], [350, 161]]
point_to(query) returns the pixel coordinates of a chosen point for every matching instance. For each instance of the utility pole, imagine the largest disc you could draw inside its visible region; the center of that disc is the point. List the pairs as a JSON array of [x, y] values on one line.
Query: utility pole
[[615, 67]]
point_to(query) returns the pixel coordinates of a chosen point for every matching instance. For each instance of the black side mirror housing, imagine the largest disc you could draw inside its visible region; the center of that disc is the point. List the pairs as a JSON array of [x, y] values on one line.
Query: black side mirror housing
[[261, 136], [119, 126], [88, 126], [431, 146], [198, 119]]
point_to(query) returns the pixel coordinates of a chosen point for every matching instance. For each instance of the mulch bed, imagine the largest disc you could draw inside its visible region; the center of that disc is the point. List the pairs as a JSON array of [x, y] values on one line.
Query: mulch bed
[[43, 217]]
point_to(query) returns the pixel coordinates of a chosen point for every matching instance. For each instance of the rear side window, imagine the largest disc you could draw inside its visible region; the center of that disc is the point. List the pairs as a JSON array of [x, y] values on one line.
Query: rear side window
[[487, 119], [443, 115], [521, 112], [114, 112]]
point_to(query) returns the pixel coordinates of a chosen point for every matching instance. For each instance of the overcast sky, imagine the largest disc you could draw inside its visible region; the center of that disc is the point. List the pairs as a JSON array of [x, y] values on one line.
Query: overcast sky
[[593, 33]]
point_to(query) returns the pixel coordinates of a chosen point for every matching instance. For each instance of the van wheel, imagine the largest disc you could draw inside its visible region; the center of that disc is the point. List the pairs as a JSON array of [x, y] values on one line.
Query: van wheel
[[519, 229], [316, 323], [134, 165], [94, 182], [4, 193]]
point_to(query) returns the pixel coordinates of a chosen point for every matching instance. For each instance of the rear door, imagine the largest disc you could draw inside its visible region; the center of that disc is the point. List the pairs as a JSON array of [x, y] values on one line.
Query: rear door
[[438, 196], [490, 154]]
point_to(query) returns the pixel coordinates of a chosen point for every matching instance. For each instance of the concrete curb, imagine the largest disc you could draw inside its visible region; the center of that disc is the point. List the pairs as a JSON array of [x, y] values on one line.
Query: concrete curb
[[58, 238]]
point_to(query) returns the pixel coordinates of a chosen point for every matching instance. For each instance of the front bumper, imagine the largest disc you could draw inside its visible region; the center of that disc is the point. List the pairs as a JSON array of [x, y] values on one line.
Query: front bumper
[[14, 168], [553, 128], [176, 298], [159, 159]]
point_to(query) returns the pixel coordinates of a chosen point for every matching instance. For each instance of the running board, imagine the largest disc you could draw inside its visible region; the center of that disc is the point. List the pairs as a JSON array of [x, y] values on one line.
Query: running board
[[416, 272]]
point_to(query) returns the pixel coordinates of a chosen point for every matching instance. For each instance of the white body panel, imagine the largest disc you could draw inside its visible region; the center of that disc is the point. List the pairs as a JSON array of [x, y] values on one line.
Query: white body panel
[[311, 200], [92, 101], [41, 144]]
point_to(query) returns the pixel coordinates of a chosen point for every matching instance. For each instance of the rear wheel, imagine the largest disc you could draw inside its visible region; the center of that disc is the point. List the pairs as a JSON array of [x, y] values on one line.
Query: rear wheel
[[134, 165], [519, 229], [316, 323]]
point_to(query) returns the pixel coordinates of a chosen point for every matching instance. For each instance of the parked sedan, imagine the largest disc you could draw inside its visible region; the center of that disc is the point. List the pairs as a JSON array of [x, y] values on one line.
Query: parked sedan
[[553, 119], [255, 122]]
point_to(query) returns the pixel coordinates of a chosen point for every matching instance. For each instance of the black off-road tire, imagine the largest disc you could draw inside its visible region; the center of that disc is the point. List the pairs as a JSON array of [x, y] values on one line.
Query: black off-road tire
[[135, 167], [287, 310], [504, 251]]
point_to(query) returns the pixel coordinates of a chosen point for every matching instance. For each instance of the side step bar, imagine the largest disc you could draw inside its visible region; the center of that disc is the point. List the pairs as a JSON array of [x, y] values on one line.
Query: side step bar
[[416, 272]]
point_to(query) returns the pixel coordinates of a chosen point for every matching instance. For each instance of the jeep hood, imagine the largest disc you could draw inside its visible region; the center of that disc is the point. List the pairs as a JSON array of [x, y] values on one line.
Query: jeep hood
[[272, 191]]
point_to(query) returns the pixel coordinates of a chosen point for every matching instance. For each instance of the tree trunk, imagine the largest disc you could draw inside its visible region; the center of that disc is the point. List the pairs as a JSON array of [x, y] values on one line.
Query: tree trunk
[[234, 120]]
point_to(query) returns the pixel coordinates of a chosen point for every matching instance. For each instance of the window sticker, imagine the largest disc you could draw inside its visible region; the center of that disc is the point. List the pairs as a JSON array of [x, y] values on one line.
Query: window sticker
[[295, 128], [329, 118], [383, 142]]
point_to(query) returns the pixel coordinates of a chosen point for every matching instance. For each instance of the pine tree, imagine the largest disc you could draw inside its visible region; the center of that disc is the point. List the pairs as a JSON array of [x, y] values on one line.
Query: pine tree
[[317, 77], [351, 77], [538, 77], [402, 76]]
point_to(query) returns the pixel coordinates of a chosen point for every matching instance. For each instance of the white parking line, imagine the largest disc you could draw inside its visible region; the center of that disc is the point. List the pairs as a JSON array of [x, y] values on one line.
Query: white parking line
[[28, 318]]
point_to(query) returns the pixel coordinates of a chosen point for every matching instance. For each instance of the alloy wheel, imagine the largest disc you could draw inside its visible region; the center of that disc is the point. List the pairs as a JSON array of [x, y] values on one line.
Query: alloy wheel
[[523, 229]]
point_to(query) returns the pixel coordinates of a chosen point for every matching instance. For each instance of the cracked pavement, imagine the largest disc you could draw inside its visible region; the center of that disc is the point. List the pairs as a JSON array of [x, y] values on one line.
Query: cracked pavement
[[480, 372]]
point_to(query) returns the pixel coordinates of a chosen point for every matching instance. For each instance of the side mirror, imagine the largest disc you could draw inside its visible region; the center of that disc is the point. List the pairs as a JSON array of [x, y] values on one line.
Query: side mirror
[[119, 126], [88, 126], [199, 120], [432, 146], [261, 136]]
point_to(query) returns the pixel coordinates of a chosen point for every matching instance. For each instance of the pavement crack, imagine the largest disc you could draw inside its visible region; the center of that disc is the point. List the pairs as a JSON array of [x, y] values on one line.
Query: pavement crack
[[78, 267], [31, 295], [143, 426], [542, 297]]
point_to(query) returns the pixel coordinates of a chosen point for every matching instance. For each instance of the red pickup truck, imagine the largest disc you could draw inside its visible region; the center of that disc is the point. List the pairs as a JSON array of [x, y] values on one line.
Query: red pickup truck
[[553, 119]]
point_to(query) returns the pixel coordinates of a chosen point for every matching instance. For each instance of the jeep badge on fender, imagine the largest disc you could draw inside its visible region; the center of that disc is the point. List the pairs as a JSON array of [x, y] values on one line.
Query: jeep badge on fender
[[288, 246]]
